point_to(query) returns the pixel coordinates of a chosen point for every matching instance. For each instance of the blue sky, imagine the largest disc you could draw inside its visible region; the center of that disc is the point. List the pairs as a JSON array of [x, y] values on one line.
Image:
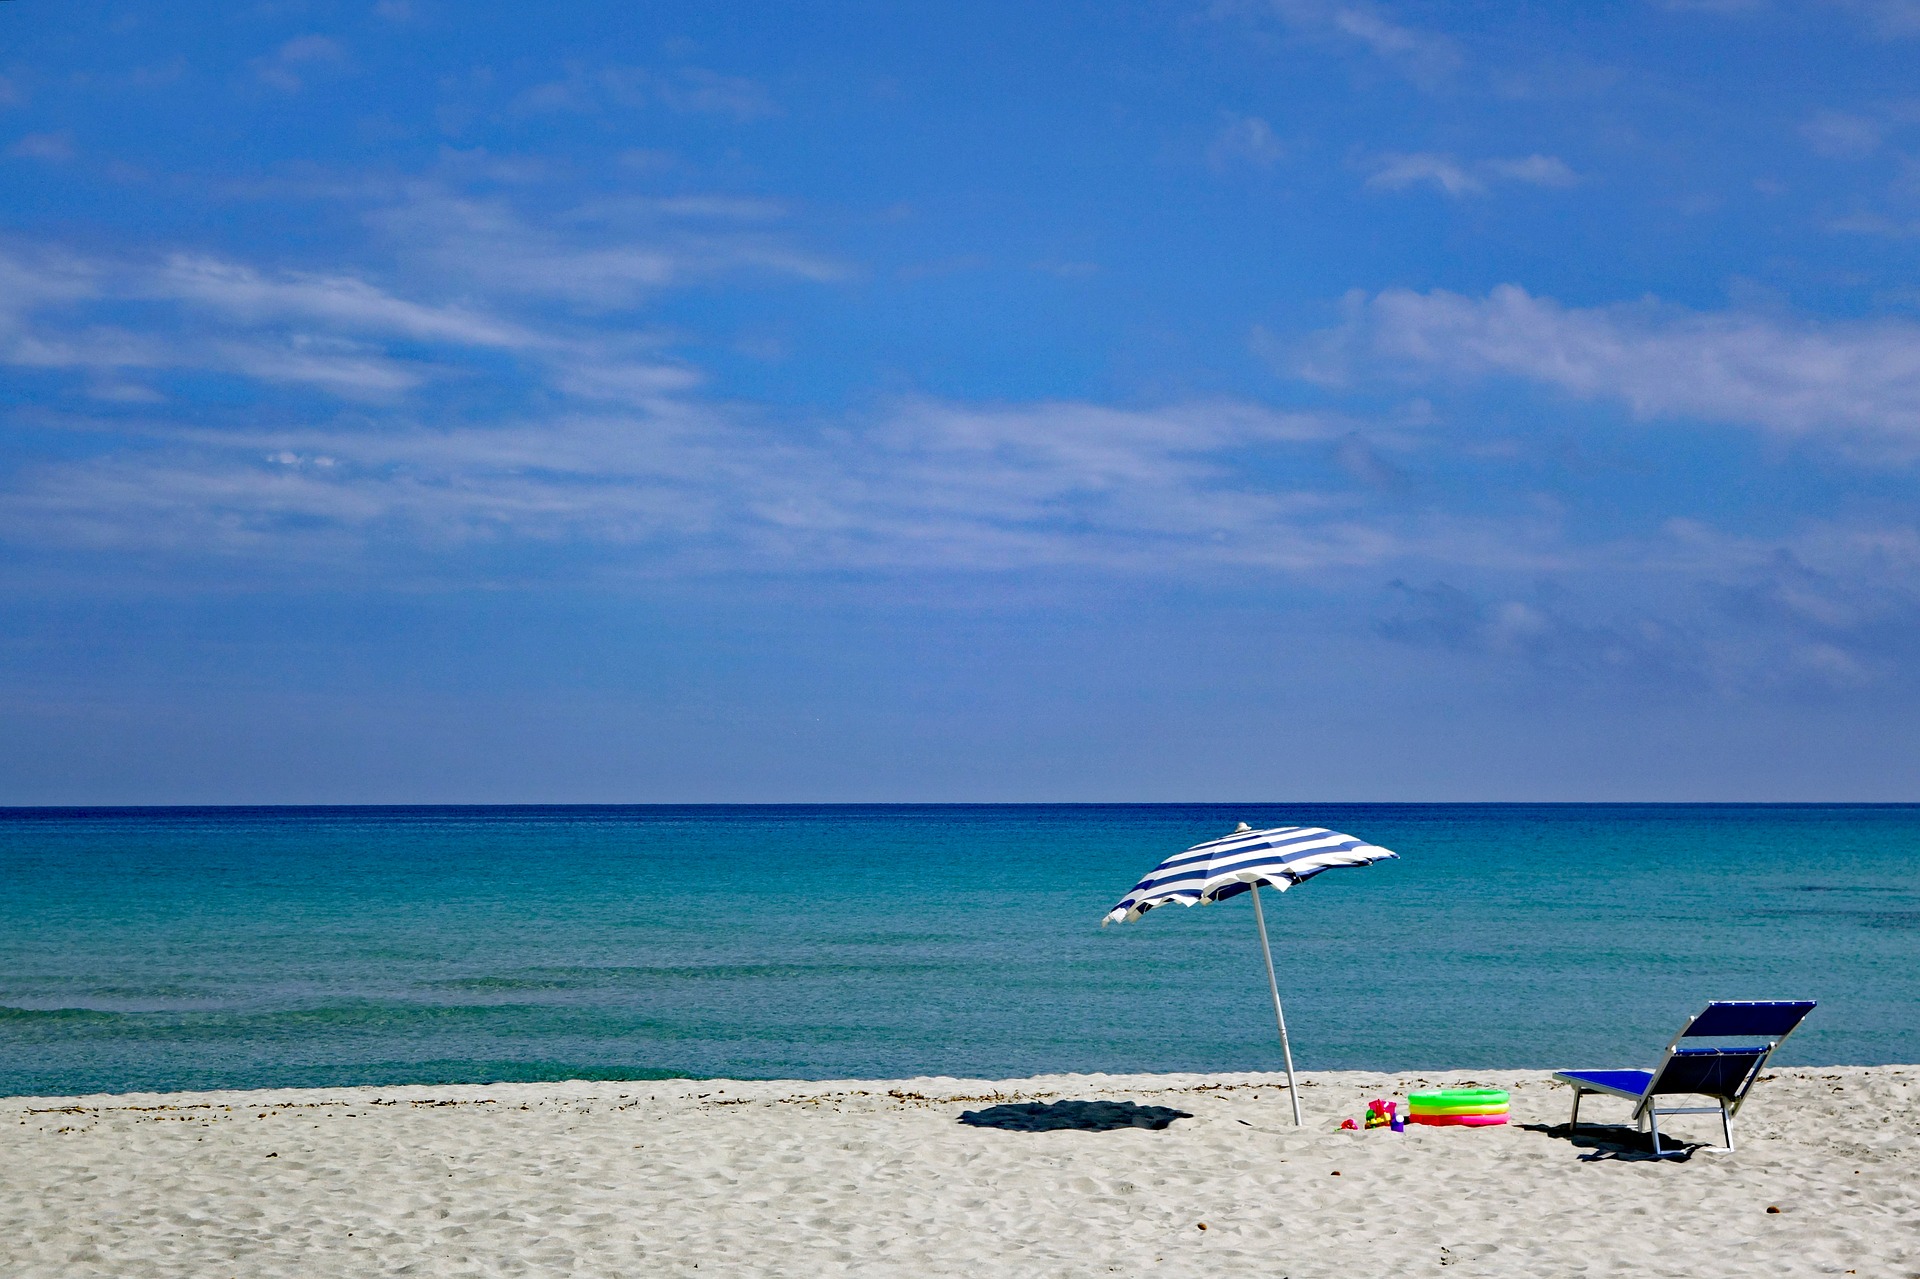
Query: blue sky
[[1291, 400]]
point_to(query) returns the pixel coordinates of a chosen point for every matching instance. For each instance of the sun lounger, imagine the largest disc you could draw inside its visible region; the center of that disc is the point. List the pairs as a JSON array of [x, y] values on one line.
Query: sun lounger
[[1721, 1073]]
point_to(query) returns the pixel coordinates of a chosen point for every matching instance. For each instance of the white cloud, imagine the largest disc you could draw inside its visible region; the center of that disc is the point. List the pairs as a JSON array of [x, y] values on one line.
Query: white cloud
[[348, 335], [56, 147], [1403, 171], [1858, 380], [926, 485], [1399, 172], [619, 457], [1423, 56], [341, 300], [1245, 140], [1892, 18], [124, 393], [695, 89], [286, 69], [1534, 170], [608, 373], [1842, 135], [1875, 224], [1713, 6], [318, 331], [312, 49], [607, 254], [1826, 606], [934, 487], [686, 90], [42, 278], [336, 365]]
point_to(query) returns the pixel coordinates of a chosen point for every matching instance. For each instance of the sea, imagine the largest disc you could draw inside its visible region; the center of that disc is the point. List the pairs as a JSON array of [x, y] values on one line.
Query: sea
[[196, 948]]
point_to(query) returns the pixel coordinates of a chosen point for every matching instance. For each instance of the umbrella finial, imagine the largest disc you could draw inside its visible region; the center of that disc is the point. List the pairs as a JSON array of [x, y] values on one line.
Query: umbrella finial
[[1242, 826]]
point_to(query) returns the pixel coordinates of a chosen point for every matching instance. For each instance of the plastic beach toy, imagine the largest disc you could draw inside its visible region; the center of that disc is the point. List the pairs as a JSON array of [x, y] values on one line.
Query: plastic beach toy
[[1380, 1112]]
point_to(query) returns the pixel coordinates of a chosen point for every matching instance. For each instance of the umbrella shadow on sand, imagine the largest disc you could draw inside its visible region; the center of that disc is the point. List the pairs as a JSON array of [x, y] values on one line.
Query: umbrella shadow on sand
[[1616, 1141], [1080, 1116]]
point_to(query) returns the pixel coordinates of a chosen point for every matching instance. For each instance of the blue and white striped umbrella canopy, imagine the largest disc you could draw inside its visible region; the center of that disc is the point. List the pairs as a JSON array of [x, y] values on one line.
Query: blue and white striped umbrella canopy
[[1226, 867]]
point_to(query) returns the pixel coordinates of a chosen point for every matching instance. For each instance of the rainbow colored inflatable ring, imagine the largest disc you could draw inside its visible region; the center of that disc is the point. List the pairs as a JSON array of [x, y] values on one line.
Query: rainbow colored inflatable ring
[[1458, 1108]]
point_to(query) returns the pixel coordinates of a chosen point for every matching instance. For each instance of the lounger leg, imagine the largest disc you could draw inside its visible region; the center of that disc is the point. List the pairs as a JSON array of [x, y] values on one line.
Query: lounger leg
[[1653, 1121], [1573, 1125], [1726, 1123]]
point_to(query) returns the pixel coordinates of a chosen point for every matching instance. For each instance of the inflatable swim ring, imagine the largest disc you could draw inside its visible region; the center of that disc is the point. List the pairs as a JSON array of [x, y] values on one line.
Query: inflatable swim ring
[[1458, 1097], [1463, 1108]]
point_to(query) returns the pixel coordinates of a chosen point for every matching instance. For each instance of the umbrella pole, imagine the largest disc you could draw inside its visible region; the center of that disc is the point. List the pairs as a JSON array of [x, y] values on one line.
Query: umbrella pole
[[1286, 1050]]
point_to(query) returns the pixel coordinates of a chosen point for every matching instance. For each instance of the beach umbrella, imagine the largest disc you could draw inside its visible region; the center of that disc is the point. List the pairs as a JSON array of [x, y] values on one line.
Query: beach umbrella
[[1240, 863]]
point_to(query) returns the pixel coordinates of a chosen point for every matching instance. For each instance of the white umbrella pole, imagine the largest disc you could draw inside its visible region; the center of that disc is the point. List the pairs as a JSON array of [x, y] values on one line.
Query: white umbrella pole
[[1286, 1050]]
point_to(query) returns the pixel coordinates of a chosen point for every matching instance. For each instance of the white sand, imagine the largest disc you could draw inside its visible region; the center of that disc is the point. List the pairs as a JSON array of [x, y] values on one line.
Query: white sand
[[726, 1178]]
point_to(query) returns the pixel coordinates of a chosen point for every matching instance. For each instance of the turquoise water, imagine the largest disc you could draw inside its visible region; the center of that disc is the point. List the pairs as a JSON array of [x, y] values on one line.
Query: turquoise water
[[199, 948]]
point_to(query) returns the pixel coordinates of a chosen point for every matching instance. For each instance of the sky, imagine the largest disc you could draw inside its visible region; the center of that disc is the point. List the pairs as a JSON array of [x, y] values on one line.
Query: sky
[[1278, 400]]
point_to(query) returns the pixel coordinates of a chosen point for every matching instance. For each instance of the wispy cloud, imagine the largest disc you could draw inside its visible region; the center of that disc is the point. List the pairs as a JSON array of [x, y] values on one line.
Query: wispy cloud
[[605, 254], [1712, 6], [249, 295], [695, 89], [1534, 170], [1890, 18], [290, 66], [618, 453], [620, 462], [318, 331], [336, 333], [1829, 606], [495, 271], [1843, 135], [926, 486], [1542, 632], [1876, 224], [1403, 171], [687, 90], [1425, 57], [57, 147], [1399, 172], [1856, 381], [1245, 140]]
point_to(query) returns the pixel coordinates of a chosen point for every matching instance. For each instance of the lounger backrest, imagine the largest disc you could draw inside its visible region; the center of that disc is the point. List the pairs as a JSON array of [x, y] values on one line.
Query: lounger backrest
[[1773, 1020], [1727, 1071], [1711, 1072]]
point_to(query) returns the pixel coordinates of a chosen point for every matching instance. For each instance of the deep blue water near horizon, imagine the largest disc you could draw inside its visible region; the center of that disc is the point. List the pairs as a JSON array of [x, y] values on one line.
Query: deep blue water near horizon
[[186, 948]]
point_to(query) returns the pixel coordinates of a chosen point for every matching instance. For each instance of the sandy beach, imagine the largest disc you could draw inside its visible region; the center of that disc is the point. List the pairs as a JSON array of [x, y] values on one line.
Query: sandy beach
[[884, 1178]]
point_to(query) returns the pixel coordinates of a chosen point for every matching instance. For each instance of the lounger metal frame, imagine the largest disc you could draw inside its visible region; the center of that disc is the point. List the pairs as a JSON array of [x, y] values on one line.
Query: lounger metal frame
[[1722, 1019]]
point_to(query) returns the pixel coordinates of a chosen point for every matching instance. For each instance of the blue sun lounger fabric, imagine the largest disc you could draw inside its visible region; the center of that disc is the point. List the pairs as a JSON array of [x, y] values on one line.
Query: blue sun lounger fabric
[[1722, 1073]]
